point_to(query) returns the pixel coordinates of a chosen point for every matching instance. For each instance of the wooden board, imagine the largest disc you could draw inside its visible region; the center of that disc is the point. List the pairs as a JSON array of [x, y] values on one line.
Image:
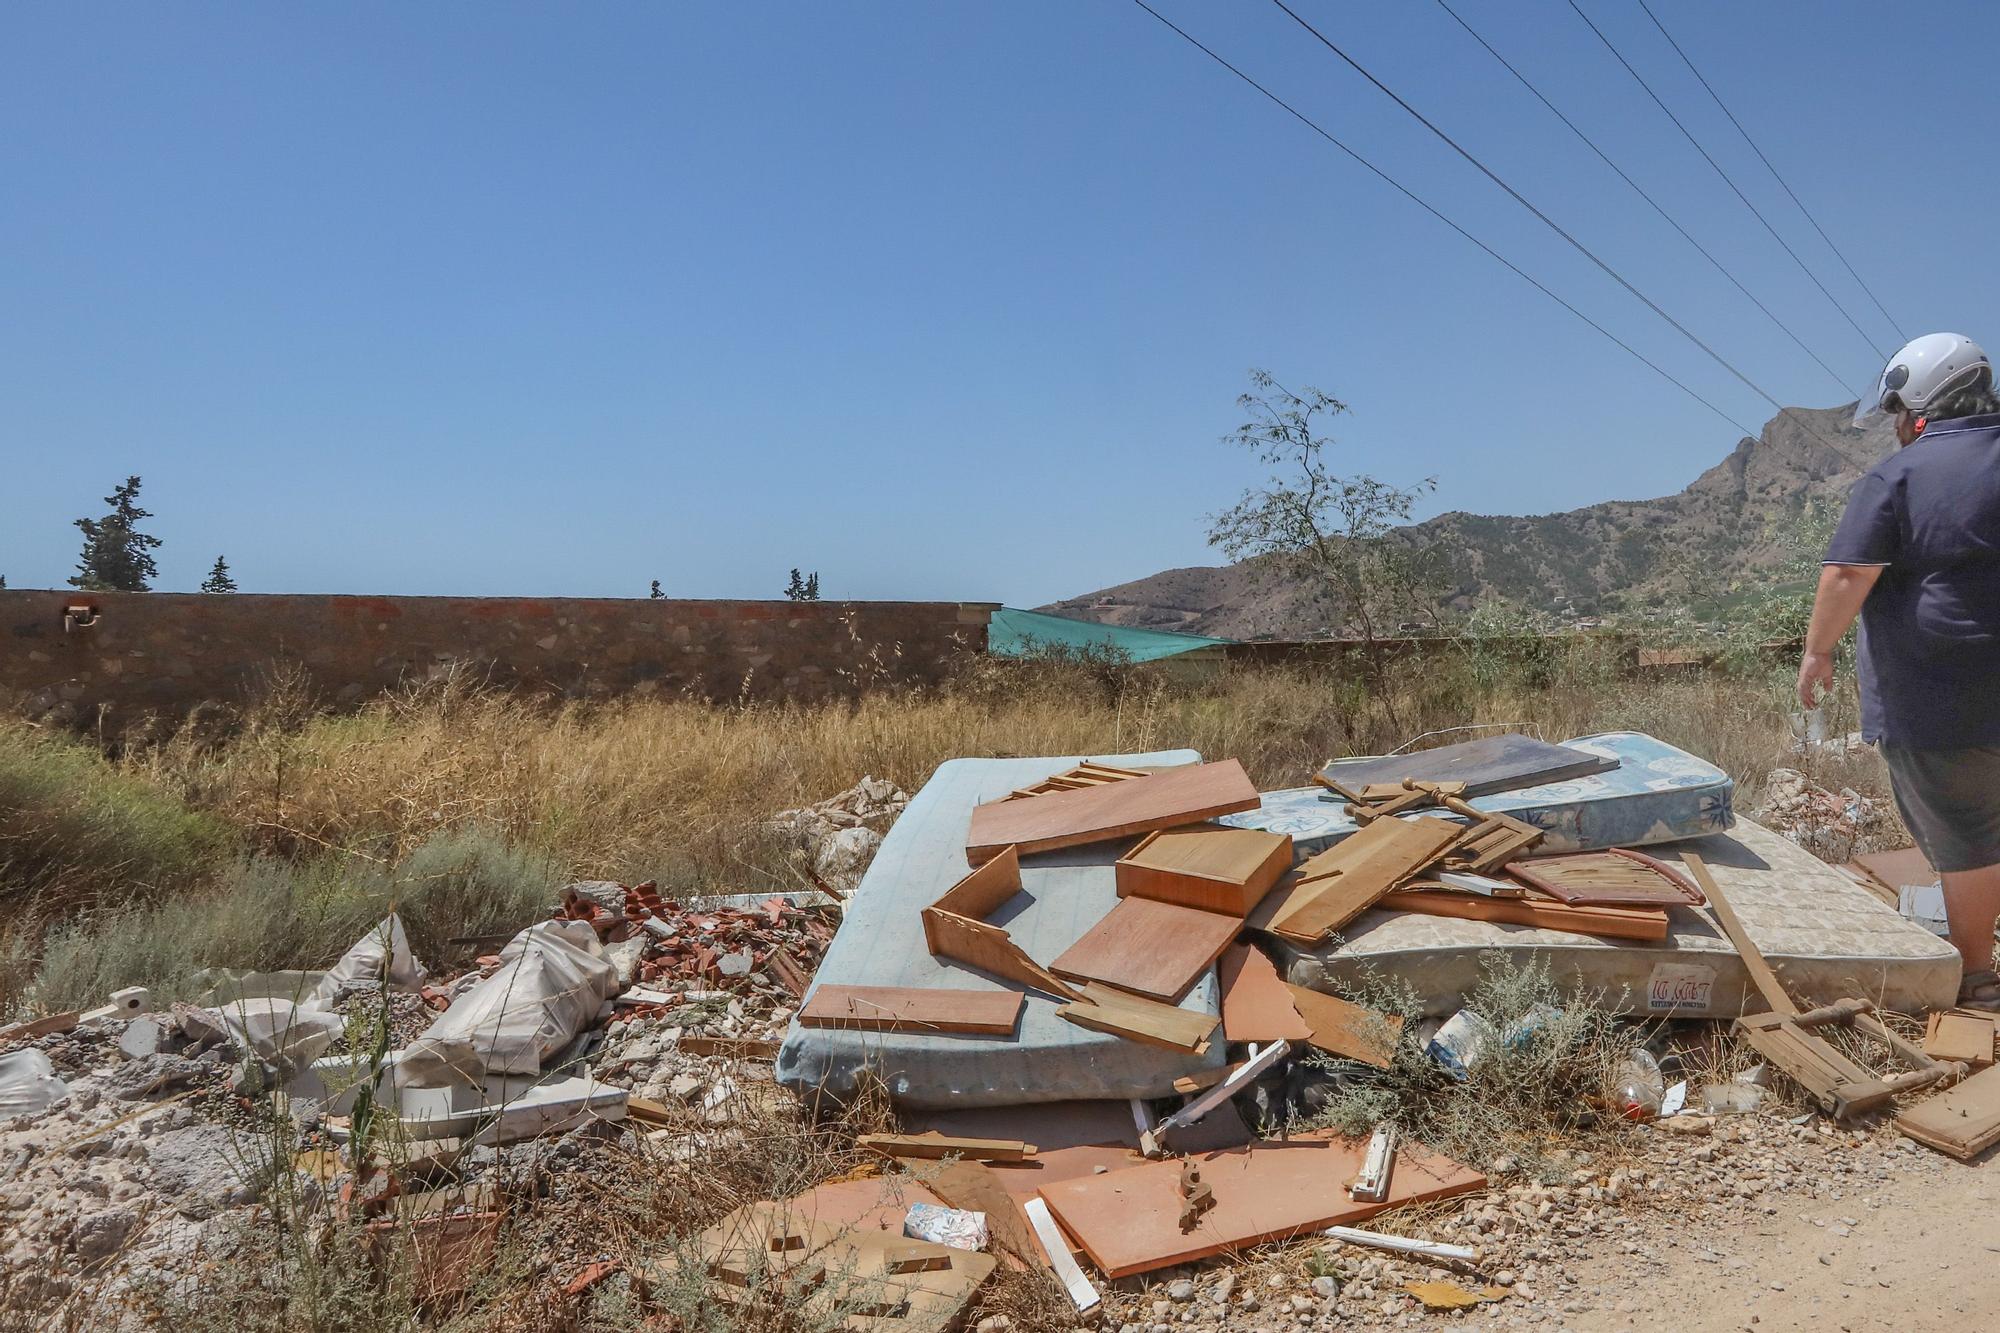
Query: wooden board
[[1760, 971], [1345, 880], [1613, 878], [907, 1009], [1963, 1122], [953, 927], [1891, 871], [1171, 797], [1128, 1221], [1342, 1028], [1959, 1036], [1108, 1009], [1150, 948], [1488, 765], [974, 1187], [1213, 868], [936, 1146], [1256, 1005], [1619, 923]]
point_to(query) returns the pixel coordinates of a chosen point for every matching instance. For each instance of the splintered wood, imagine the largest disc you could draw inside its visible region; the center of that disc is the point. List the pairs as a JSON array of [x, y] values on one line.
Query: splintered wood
[[1342, 1028], [1106, 1009], [1100, 813]]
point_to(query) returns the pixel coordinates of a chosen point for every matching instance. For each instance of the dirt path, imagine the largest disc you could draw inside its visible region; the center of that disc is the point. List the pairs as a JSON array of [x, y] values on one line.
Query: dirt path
[[1916, 1253]]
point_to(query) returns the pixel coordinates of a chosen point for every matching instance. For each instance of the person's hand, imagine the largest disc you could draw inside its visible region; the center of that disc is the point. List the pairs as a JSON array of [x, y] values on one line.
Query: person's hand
[[1815, 679]]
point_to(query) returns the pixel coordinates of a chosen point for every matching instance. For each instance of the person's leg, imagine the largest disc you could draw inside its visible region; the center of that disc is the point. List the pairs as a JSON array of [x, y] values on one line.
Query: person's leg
[[1972, 904]]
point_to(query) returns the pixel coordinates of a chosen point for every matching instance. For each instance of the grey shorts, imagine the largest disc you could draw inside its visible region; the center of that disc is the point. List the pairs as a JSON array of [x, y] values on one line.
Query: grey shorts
[[1950, 799]]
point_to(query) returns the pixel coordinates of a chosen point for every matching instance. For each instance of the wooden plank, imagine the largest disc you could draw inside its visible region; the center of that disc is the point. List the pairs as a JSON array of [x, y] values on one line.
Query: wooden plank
[[984, 890], [908, 1009], [1963, 1122], [1760, 971], [1212, 868], [737, 1048], [1613, 878], [1621, 923], [1107, 1009], [935, 1146], [1174, 796], [40, 1027], [1256, 1006], [1345, 880], [1128, 1221], [1150, 948], [1961, 1036], [1342, 1028], [1488, 765]]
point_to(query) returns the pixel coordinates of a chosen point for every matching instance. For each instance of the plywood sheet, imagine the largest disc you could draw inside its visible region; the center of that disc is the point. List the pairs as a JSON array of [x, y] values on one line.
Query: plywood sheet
[[1150, 948], [1128, 1221], [1490, 764], [1963, 1122], [1256, 1005], [1175, 796], [904, 1008], [1623, 923], [1213, 868], [1345, 880], [1343, 1028]]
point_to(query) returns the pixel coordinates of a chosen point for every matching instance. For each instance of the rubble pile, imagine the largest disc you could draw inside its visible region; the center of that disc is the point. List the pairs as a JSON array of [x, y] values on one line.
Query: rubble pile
[[1834, 826], [840, 834]]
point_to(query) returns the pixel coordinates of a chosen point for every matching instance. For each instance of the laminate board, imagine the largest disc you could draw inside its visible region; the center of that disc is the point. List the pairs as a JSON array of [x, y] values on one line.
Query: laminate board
[[1339, 884], [1108, 1009], [1149, 948], [1488, 765], [1210, 867], [1171, 797], [911, 1009], [1962, 1122], [1618, 923], [1256, 1005], [1341, 1027], [1955, 1036]]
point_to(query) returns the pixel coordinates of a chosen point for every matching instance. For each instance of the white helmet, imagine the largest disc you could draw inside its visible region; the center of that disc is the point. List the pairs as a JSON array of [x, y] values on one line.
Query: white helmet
[[1925, 368]]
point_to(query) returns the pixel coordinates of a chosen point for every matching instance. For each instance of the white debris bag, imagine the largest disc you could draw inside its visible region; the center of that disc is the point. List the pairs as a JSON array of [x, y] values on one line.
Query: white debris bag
[[553, 979], [28, 1083], [276, 1031], [959, 1228], [382, 956]]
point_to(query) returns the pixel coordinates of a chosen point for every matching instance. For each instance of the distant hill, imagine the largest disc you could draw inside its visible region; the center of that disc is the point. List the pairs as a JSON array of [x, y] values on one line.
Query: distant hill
[[1724, 531]]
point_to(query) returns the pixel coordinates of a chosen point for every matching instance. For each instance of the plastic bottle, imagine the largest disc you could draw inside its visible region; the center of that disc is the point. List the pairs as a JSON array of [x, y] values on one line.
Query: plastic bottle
[[1638, 1088]]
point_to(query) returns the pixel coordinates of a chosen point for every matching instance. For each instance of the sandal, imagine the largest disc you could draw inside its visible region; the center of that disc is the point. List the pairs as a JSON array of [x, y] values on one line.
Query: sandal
[[1981, 991]]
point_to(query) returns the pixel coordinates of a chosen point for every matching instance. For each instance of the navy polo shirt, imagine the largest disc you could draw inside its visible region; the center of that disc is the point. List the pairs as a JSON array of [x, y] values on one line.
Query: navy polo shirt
[[1929, 651]]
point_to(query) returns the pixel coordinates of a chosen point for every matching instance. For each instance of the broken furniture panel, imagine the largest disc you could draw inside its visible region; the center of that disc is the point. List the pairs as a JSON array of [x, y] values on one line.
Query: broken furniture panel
[[1340, 1027], [1491, 764], [1171, 797], [955, 926], [1623, 923], [1108, 1009], [1615, 878], [1256, 1005], [1331, 889], [1130, 1221], [1083, 775], [935, 1146], [1958, 1035], [1963, 1122], [1149, 948], [1209, 867], [905, 1009]]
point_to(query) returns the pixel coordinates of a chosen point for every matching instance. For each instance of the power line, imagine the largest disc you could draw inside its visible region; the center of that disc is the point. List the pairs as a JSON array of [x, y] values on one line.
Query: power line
[[1726, 179], [1641, 192], [1774, 171], [1546, 220], [1420, 202]]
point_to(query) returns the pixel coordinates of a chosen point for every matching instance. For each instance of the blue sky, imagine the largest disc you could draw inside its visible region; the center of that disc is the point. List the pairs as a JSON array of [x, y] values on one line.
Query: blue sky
[[944, 300]]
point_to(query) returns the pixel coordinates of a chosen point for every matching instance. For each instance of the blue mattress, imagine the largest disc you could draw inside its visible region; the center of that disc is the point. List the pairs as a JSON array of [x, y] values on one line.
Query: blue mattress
[[881, 943], [1656, 794]]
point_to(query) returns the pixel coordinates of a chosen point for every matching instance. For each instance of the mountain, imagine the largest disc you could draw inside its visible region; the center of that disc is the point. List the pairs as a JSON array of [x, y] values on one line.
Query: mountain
[[1726, 531]]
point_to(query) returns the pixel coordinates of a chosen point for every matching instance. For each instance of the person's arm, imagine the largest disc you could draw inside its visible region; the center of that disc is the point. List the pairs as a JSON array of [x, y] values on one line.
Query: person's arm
[[1842, 590]]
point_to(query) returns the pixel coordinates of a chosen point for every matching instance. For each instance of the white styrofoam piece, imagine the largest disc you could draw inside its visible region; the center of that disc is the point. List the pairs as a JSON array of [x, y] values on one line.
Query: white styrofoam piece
[[1081, 1293]]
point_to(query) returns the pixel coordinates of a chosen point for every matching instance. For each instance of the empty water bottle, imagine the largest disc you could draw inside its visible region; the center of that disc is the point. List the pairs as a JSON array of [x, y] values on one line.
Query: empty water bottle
[[1638, 1087]]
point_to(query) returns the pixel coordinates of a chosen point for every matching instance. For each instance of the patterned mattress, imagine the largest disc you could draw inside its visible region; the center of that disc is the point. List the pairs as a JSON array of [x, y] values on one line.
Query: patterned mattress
[[1656, 794], [1825, 935], [881, 943]]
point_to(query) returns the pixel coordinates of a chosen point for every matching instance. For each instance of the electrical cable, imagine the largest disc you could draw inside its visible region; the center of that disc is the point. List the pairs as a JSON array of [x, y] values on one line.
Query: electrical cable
[[1641, 192], [1420, 202], [1546, 220], [1728, 180], [1774, 171]]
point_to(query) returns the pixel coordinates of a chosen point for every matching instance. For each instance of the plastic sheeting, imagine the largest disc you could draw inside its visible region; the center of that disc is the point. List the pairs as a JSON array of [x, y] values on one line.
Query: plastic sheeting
[[1656, 794], [380, 956], [881, 943], [552, 980], [28, 1083]]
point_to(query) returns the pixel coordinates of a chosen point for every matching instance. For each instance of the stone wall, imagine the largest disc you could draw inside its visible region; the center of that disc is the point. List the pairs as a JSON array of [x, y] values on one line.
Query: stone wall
[[128, 655]]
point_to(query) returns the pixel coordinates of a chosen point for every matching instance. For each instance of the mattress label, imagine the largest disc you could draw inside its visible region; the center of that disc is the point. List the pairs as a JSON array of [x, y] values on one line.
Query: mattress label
[[1680, 986]]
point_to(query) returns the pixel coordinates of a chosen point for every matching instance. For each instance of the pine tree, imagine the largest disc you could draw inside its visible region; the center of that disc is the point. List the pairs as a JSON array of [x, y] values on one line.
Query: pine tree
[[803, 589], [656, 595], [218, 579], [117, 557]]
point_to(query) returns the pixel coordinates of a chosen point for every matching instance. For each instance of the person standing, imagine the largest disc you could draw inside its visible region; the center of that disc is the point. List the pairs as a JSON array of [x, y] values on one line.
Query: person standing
[[1917, 558]]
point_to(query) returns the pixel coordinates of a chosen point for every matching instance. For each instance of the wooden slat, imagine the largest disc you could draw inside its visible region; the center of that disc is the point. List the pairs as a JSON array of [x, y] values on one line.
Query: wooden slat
[[1174, 796], [1210, 867], [934, 1146], [1963, 1122], [1150, 948], [1256, 1005], [1345, 880], [1621, 923], [1107, 1009], [1488, 765], [1346, 1029], [908, 1009], [1614, 878], [1956, 1036], [1128, 1221], [1766, 980]]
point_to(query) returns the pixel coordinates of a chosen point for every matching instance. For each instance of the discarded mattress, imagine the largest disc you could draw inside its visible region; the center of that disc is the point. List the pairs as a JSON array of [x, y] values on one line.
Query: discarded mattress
[[881, 943], [1656, 794], [1827, 937]]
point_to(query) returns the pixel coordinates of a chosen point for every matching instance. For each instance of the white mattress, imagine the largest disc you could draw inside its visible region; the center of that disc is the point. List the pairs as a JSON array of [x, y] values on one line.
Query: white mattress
[[1825, 936]]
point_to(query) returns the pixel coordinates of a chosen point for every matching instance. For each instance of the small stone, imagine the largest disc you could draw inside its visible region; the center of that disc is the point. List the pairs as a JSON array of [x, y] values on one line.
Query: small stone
[[1180, 1292], [735, 964], [1224, 1288], [1325, 1288]]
